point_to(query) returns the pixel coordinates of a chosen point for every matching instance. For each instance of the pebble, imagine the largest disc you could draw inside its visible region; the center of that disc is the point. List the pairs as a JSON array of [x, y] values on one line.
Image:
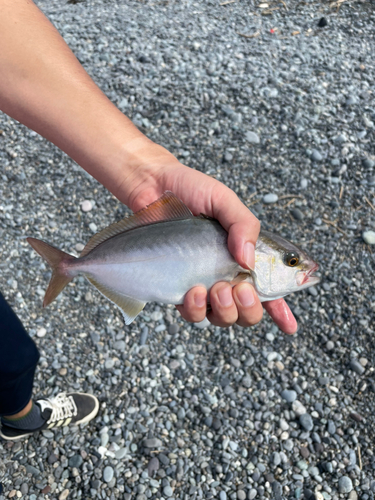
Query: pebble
[[270, 198], [368, 163], [75, 461], [316, 155], [252, 137], [63, 495], [356, 366], [306, 422], [345, 484], [202, 324], [298, 408], [167, 491], [93, 227], [41, 332], [369, 237], [108, 474], [86, 206], [153, 466], [152, 443], [289, 395], [296, 213]]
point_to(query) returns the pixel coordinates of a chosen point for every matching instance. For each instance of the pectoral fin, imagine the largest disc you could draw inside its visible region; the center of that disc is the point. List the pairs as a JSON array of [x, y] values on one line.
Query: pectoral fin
[[242, 276], [130, 307]]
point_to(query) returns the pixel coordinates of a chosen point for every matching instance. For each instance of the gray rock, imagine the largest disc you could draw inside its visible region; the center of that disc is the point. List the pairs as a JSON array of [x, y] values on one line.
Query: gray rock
[[152, 443], [75, 461], [252, 137], [356, 366], [167, 491], [153, 466], [306, 422], [316, 155], [289, 395], [108, 474], [345, 484], [296, 213], [270, 198]]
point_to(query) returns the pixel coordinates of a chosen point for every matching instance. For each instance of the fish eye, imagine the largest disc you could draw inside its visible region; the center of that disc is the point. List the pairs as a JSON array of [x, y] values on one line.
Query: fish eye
[[291, 259]]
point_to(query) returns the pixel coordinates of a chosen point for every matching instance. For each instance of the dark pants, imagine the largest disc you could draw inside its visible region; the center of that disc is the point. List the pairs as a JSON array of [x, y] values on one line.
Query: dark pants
[[18, 359]]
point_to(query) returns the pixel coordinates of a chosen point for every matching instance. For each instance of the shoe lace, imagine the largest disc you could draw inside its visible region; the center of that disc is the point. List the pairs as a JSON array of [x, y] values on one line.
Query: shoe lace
[[63, 407]]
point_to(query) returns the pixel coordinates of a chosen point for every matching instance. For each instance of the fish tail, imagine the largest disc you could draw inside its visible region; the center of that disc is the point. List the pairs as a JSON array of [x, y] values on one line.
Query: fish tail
[[57, 259]]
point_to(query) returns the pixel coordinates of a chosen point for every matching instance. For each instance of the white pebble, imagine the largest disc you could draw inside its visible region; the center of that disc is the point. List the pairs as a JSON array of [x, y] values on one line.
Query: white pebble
[[79, 247], [270, 198], [86, 206], [41, 332], [93, 227], [202, 324], [369, 237]]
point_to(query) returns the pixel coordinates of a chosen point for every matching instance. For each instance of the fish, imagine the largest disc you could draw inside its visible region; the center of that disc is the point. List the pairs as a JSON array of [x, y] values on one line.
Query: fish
[[159, 253]]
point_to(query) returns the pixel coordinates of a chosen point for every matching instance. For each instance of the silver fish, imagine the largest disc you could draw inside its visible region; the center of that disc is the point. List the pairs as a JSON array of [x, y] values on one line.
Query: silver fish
[[163, 251]]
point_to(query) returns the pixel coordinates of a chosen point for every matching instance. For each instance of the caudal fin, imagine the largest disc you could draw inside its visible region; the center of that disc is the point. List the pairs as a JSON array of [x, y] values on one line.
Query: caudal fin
[[55, 258]]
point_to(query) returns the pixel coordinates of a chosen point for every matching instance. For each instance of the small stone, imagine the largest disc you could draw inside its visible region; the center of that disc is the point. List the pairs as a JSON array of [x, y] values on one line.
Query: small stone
[[241, 495], [369, 237], [63, 372], [109, 364], [64, 494], [298, 408], [93, 227], [304, 183], [345, 484], [156, 316], [152, 443], [222, 495], [368, 163], [46, 490], [296, 213], [79, 247], [270, 198], [202, 324], [289, 395], [119, 454], [306, 422], [167, 491], [75, 461], [153, 466], [330, 345], [86, 206], [316, 156], [353, 495], [173, 328], [252, 137], [252, 493], [108, 474], [356, 366], [304, 452], [41, 332], [322, 23]]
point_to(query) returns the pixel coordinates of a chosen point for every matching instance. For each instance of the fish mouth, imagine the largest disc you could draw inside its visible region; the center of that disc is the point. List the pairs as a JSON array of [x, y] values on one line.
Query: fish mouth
[[308, 278]]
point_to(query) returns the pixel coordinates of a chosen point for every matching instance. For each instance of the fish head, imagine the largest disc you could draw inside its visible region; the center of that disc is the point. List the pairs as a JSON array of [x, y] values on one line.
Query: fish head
[[281, 267]]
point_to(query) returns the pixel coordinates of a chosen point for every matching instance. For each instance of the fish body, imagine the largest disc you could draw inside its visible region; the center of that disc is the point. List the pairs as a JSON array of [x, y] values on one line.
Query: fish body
[[163, 251]]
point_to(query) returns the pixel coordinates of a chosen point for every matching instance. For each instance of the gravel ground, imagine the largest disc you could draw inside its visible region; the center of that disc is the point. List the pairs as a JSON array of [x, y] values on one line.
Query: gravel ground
[[263, 99]]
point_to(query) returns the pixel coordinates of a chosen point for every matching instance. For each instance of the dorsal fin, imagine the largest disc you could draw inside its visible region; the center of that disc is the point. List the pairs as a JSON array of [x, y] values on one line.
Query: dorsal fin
[[167, 207]]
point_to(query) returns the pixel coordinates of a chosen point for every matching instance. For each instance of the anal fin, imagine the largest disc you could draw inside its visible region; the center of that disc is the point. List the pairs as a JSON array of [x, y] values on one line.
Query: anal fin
[[129, 307]]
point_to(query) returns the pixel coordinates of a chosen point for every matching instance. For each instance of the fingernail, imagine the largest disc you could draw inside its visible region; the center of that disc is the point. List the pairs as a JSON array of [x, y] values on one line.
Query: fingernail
[[200, 299], [249, 255], [225, 296], [246, 295]]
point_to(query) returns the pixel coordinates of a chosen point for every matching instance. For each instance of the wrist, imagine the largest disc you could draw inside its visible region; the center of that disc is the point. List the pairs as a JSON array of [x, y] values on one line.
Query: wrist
[[143, 168]]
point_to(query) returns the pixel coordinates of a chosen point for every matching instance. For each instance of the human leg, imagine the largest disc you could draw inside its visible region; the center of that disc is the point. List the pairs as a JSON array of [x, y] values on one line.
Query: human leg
[[19, 415]]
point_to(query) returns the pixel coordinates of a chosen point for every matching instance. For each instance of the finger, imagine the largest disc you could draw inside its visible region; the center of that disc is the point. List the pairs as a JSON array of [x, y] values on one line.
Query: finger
[[195, 305], [281, 315], [224, 311], [242, 226], [250, 310]]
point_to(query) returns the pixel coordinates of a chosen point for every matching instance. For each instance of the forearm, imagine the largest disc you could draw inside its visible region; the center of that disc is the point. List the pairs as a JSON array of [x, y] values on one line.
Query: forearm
[[43, 86]]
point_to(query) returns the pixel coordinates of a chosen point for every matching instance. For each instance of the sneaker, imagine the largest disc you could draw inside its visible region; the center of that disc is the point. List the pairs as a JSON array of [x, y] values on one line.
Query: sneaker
[[64, 409]]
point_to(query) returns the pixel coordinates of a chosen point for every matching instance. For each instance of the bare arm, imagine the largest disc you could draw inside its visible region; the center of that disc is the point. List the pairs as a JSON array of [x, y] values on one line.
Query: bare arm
[[43, 86]]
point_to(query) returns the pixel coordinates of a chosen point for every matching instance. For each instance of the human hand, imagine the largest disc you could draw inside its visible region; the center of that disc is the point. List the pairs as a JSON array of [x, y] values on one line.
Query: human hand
[[203, 194]]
